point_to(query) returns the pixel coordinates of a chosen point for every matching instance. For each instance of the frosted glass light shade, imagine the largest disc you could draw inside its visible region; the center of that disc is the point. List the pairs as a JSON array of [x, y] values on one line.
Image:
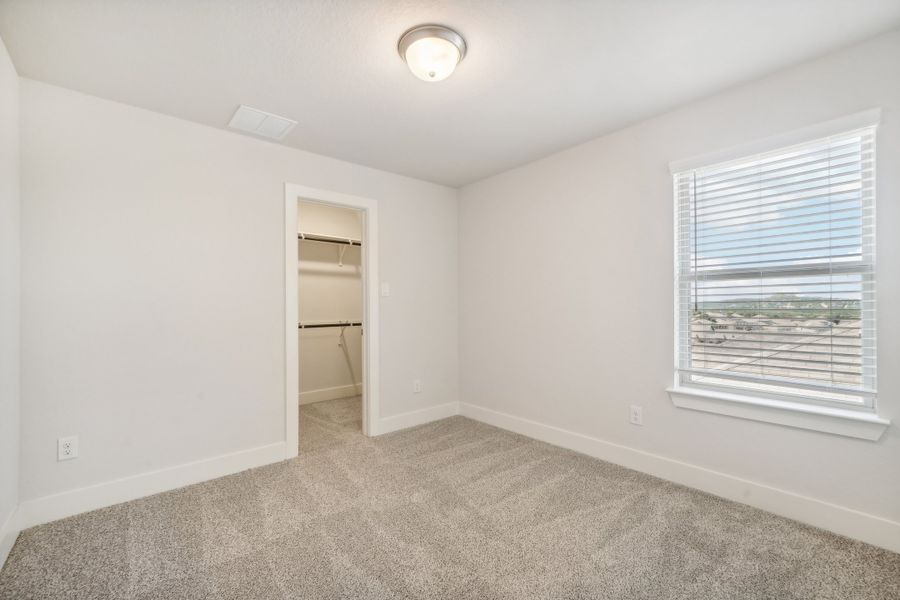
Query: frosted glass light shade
[[432, 59], [431, 51]]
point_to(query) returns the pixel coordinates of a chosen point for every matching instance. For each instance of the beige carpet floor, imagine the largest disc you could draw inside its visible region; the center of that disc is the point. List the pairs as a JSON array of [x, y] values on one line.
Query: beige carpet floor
[[453, 509]]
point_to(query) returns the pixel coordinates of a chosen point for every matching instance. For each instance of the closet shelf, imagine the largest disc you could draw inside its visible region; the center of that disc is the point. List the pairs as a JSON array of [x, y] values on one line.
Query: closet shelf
[[328, 239], [329, 324]]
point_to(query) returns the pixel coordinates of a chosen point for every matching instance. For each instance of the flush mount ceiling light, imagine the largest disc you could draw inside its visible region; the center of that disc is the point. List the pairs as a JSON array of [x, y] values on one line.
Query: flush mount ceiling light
[[432, 51]]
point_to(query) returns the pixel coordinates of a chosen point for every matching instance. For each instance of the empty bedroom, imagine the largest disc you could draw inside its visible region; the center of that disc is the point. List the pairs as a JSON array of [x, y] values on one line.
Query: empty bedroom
[[487, 300]]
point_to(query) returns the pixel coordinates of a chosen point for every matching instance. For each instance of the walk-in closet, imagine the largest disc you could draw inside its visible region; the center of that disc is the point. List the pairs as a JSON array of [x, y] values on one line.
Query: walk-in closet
[[330, 328]]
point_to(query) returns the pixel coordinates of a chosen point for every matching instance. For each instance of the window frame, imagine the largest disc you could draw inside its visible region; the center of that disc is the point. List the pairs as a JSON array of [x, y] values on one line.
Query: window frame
[[814, 412]]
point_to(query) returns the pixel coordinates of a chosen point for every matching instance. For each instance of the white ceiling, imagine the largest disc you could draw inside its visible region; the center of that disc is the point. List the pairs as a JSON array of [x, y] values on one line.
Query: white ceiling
[[540, 75]]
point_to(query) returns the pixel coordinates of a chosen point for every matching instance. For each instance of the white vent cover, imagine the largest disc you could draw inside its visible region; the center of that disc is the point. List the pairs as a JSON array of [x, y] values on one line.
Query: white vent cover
[[259, 122]]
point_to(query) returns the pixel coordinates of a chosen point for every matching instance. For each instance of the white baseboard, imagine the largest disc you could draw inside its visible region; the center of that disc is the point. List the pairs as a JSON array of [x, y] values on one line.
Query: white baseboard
[[8, 534], [838, 519], [72, 502], [332, 393], [416, 417]]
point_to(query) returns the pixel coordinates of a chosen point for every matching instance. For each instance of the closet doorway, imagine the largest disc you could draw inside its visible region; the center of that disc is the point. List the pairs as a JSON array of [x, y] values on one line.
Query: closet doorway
[[330, 337]]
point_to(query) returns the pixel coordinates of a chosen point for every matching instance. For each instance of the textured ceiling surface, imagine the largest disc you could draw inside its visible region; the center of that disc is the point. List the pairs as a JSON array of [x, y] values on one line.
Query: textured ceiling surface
[[540, 75]]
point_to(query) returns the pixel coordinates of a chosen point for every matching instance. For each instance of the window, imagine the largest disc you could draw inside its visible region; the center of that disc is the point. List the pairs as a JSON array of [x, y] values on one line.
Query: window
[[775, 273]]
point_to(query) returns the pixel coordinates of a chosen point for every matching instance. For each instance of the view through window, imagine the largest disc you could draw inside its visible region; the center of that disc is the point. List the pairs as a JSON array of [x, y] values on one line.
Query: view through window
[[775, 272]]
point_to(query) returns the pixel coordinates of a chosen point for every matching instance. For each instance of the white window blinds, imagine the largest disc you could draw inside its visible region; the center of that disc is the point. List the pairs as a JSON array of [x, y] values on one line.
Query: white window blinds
[[775, 272]]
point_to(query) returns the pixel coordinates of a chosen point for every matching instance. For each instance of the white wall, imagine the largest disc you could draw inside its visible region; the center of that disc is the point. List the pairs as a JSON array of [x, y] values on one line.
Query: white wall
[[566, 300], [329, 289], [9, 294], [153, 287]]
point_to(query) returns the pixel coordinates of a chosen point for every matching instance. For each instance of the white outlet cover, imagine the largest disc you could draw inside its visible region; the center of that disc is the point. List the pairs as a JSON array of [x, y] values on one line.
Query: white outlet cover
[[385, 289], [637, 415], [67, 448]]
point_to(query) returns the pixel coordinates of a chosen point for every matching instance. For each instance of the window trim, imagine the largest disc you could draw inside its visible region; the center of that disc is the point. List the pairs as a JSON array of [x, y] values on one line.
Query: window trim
[[850, 422], [866, 118], [853, 421]]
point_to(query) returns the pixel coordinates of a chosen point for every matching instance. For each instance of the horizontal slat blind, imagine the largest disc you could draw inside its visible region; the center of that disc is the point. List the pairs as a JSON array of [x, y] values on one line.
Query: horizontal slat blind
[[775, 271]]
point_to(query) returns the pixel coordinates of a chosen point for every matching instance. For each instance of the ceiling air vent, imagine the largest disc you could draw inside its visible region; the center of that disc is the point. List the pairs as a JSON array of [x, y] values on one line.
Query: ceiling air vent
[[259, 122]]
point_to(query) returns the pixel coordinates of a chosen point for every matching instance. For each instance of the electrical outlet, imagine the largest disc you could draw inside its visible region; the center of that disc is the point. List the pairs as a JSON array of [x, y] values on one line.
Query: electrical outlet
[[637, 415], [67, 448], [385, 289], [417, 386]]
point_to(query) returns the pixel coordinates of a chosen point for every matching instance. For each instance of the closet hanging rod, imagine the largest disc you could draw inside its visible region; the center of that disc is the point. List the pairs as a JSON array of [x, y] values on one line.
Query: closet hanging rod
[[332, 324], [314, 237]]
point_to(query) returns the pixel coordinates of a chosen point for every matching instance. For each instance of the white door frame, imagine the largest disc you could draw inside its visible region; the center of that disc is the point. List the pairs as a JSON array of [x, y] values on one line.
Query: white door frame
[[292, 195]]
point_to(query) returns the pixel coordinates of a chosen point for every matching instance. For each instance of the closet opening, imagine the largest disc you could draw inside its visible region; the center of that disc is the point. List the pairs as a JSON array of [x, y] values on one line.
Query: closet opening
[[330, 328], [330, 334]]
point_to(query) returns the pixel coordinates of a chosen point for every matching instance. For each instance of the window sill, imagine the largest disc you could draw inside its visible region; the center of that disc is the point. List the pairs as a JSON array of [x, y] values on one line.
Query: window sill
[[839, 421]]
